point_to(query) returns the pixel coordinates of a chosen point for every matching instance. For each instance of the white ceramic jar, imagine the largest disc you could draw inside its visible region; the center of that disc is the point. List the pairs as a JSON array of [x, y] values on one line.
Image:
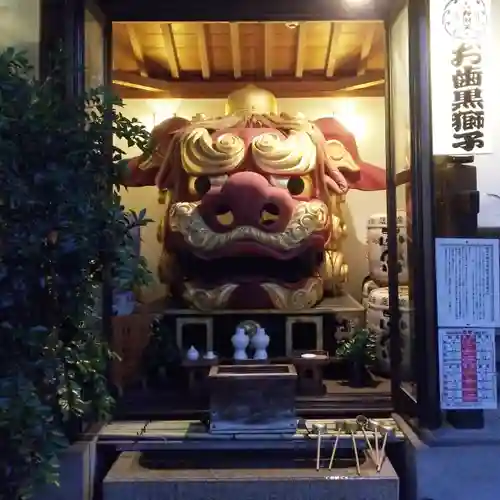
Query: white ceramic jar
[[377, 321], [123, 303], [368, 286], [240, 342], [260, 342], [377, 248], [193, 354]]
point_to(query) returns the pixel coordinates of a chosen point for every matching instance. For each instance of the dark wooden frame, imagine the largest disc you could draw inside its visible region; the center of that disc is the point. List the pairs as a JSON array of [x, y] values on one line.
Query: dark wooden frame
[[71, 35], [392, 245], [107, 27], [458, 201], [257, 10], [422, 180], [426, 406], [67, 40]]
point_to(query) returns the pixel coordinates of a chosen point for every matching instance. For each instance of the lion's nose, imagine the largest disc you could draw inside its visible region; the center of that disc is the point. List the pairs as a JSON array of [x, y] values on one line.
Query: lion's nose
[[247, 199]]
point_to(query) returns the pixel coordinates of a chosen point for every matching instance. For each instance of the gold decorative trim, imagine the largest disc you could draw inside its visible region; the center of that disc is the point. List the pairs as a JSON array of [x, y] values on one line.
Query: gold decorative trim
[[296, 300], [282, 298], [208, 299], [334, 272], [308, 218]]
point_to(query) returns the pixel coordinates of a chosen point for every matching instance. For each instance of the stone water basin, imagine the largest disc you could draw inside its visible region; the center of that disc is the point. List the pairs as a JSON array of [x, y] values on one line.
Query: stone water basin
[[253, 398], [248, 459]]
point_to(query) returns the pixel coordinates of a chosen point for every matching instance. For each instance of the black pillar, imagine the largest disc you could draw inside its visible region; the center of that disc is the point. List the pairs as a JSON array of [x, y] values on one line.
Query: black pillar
[[458, 208], [423, 272], [62, 44]]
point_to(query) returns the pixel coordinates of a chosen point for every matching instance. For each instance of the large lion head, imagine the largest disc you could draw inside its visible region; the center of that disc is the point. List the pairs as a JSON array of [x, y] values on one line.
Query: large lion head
[[253, 216]]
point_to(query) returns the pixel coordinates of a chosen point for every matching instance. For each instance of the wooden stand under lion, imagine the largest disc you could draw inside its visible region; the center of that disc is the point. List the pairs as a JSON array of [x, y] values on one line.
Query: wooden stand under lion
[[253, 225]]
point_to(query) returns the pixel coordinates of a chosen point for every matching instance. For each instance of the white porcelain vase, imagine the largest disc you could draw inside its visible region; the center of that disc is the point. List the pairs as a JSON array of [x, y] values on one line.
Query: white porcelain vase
[[240, 343], [368, 286], [378, 252], [123, 303], [260, 342], [193, 354]]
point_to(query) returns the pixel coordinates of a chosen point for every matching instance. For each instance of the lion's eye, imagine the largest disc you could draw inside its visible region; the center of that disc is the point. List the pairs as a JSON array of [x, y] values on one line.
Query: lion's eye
[[296, 186], [202, 184], [199, 185]]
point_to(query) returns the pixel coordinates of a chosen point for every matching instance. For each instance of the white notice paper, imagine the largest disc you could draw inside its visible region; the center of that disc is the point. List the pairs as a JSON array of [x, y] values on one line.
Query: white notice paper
[[467, 282], [467, 369]]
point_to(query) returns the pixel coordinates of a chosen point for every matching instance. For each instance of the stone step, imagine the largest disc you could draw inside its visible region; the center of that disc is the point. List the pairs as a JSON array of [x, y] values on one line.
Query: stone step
[[128, 479]]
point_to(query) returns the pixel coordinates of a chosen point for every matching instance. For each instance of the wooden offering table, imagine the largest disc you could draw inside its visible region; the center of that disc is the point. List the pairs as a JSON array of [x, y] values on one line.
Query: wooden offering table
[[197, 372], [309, 366]]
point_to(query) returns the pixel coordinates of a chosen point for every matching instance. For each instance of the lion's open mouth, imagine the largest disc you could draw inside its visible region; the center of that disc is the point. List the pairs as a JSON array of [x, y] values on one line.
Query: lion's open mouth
[[244, 268]]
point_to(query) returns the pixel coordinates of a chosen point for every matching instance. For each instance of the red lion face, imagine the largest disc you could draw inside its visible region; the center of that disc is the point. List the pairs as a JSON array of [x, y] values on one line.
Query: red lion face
[[254, 208]]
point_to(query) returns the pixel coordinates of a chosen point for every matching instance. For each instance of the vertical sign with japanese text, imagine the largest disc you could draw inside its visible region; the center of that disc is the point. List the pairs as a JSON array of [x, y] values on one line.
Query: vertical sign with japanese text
[[461, 77]]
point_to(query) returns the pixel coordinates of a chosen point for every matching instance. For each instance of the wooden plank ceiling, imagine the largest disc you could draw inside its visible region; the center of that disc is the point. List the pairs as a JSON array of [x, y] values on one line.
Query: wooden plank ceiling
[[210, 60]]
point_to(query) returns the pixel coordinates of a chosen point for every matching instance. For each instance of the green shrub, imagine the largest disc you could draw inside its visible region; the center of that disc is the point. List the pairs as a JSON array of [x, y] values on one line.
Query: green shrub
[[61, 228]]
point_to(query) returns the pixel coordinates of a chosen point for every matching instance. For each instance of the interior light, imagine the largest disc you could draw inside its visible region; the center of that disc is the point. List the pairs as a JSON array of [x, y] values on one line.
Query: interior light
[[149, 121], [346, 113], [163, 109]]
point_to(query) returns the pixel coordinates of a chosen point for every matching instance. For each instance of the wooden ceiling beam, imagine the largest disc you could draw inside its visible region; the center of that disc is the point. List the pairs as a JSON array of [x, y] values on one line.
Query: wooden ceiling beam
[[366, 47], [136, 48], [203, 51], [301, 50], [170, 49], [333, 45], [130, 84], [234, 31], [268, 50], [195, 91], [135, 86]]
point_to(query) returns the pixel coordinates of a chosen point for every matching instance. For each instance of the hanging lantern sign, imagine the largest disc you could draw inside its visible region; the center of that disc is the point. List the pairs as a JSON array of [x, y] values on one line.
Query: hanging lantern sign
[[461, 77]]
